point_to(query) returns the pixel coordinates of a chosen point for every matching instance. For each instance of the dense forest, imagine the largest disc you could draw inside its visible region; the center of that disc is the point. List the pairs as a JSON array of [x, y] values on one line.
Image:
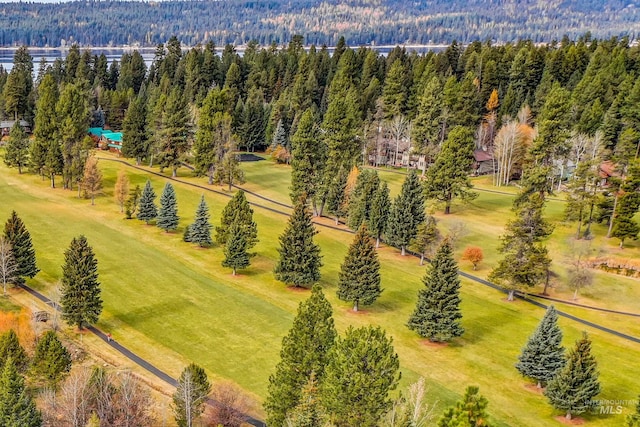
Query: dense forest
[[361, 22]]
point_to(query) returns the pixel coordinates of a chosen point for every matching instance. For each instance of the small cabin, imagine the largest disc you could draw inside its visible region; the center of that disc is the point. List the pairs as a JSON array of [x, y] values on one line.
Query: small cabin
[[6, 126]]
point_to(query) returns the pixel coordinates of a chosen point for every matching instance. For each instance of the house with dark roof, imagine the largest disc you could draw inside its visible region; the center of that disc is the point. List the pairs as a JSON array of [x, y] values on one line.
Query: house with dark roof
[[6, 125], [483, 162]]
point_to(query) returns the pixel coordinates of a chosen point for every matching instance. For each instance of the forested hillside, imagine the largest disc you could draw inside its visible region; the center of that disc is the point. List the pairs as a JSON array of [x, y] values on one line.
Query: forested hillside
[[361, 22]]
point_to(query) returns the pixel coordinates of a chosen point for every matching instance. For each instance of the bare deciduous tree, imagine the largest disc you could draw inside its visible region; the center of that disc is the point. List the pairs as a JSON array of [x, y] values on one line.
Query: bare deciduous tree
[[411, 410], [8, 266], [133, 402], [75, 399], [230, 407]]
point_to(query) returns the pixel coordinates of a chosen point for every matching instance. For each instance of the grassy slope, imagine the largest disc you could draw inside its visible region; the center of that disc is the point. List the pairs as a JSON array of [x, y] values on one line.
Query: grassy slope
[[172, 302]]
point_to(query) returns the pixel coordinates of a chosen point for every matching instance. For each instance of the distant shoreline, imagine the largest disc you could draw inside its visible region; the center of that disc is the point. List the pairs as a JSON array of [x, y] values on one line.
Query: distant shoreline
[[221, 47]]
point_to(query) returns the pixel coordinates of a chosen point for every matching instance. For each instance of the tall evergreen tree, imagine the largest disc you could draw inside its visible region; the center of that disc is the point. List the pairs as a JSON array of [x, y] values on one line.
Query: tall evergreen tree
[[238, 212], [379, 212], [363, 368], [72, 122], [308, 159], [168, 213], [406, 213], [303, 356], [10, 349], [300, 259], [359, 277], [361, 198], [175, 132], [427, 238], [80, 301], [147, 210], [543, 355], [17, 149], [437, 314], [469, 412], [53, 162], [336, 202], [448, 177], [17, 408], [134, 130], [572, 390], [51, 361], [309, 412], [213, 133], [228, 170], [200, 230], [16, 233], [235, 249], [624, 224]]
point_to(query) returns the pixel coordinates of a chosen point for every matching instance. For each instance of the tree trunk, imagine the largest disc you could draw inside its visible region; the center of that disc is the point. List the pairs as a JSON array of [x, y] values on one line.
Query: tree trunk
[[613, 214], [53, 180], [475, 264], [174, 172], [377, 242], [422, 259], [568, 416], [19, 169], [93, 199], [337, 220], [575, 294], [355, 305], [210, 175], [402, 250], [511, 294], [546, 283], [234, 271], [447, 208]]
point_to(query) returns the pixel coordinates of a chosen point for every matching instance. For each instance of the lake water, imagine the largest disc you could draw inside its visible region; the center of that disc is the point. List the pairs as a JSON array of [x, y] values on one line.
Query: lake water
[[51, 54]]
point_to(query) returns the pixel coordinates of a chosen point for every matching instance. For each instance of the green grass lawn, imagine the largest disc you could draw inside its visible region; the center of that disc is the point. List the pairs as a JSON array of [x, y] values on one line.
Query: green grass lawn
[[173, 303]]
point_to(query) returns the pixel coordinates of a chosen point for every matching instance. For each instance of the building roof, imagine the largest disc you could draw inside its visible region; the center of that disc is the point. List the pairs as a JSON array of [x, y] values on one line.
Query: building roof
[[608, 169], [10, 123], [112, 136], [482, 155], [96, 131]]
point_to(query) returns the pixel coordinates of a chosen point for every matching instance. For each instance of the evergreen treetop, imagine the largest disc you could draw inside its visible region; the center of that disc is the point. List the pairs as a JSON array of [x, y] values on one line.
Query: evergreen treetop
[[168, 218], [51, 361], [235, 249], [10, 349], [543, 355], [17, 409], [147, 210], [437, 314], [469, 412], [16, 233], [239, 212], [200, 231]]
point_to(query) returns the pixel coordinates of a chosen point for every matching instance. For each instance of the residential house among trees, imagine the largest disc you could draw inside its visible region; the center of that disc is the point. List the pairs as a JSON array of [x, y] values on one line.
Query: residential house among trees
[[6, 126]]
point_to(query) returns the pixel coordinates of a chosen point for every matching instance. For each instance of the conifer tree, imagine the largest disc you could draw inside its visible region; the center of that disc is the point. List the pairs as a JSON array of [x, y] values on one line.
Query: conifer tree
[[51, 361], [17, 235], [363, 368], [17, 408], [200, 231], [10, 349], [633, 420], [448, 177], [80, 301], [572, 390], [168, 213], [379, 212], [336, 195], [239, 212], [427, 238], [131, 204], [228, 170], [175, 132], [308, 157], [361, 198], [53, 162], [147, 209], [303, 356], [300, 259], [235, 249], [359, 277], [17, 149], [437, 314], [543, 355], [406, 213], [134, 130], [469, 412]]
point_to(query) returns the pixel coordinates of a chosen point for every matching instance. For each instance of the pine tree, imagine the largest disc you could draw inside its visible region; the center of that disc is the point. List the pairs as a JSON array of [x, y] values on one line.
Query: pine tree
[[17, 149], [200, 231], [10, 349], [168, 213], [54, 162], [406, 213], [17, 408], [379, 212], [17, 235], [190, 396], [359, 277], [51, 361], [175, 132], [239, 212], [92, 179], [80, 301], [363, 368], [304, 355], [147, 210], [300, 259], [427, 238], [131, 204], [448, 177], [633, 420], [235, 249], [336, 195], [361, 198], [308, 157], [574, 387], [543, 355], [135, 139], [228, 170], [469, 412], [437, 314], [213, 135]]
